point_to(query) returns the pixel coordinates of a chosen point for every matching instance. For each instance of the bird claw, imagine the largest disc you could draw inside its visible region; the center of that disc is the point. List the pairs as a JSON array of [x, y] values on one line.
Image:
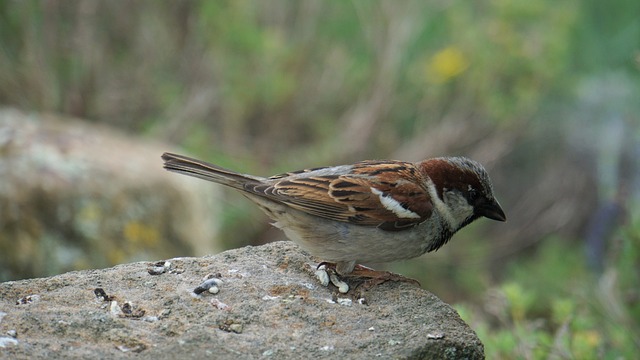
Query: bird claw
[[326, 273], [376, 277]]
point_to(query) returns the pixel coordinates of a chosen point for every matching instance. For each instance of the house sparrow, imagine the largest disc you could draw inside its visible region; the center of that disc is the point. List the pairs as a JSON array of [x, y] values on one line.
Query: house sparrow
[[371, 211]]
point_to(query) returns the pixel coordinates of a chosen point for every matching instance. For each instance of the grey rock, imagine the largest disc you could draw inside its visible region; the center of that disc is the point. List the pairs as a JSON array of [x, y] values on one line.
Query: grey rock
[[269, 305], [77, 195]]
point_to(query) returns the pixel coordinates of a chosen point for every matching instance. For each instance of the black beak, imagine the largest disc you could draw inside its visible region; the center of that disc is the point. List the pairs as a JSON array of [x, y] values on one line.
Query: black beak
[[491, 210]]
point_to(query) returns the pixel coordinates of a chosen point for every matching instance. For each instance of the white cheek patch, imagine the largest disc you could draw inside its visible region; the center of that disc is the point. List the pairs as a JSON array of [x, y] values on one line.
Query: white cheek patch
[[392, 205], [458, 205], [443, 210]]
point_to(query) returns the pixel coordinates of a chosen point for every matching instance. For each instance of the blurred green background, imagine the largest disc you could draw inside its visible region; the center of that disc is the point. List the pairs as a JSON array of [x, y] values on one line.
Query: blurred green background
[[545, 93]]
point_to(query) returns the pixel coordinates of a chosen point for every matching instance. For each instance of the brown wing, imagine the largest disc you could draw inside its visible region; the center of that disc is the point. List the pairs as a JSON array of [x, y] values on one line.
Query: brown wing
[[387, 194]]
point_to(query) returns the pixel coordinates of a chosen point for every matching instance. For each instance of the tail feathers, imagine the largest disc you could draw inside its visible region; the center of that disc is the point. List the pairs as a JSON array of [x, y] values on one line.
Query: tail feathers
[[200, 169]]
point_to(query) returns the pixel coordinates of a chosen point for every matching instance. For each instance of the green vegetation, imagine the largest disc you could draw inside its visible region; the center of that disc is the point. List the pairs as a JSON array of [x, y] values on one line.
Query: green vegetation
[[550, 306], [543, 92]]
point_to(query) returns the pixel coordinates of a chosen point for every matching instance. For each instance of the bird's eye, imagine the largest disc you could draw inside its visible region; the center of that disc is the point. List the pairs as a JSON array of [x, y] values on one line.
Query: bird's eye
[[472, 195]]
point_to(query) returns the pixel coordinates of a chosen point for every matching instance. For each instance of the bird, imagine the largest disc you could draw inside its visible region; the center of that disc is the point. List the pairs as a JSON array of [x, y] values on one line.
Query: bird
[[372, 211]]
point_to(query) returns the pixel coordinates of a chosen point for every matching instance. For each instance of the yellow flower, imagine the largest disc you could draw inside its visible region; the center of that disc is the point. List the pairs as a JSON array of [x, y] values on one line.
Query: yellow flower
[[445, 65]]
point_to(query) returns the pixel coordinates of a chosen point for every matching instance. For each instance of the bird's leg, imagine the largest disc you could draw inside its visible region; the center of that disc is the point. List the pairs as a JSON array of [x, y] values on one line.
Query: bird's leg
[[377, 277], [327, 272]]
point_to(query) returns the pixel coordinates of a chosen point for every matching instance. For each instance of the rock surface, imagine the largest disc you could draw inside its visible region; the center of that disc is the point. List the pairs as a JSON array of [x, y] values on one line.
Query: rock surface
[[269, 305], [76, 195]]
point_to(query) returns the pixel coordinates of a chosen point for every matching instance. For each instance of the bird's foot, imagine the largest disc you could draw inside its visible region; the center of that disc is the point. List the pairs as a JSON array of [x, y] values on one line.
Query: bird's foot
[[377, 277], [326, 272]]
